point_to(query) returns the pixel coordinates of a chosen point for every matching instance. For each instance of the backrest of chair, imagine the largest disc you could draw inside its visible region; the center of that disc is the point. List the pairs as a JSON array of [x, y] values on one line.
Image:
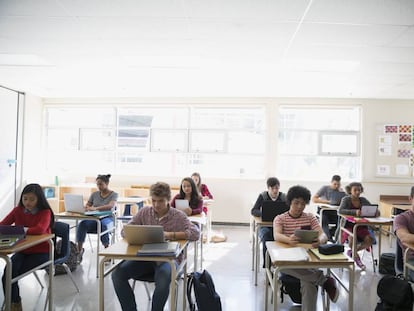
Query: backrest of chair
[[127, 210], [399, 257], [62, 231]]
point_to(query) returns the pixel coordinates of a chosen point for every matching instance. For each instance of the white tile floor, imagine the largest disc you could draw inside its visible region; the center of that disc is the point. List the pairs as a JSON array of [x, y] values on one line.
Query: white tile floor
[[228, 262]]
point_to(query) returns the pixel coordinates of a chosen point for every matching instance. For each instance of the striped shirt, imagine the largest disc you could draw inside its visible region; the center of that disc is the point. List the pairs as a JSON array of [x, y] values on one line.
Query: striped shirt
[[290, 224]]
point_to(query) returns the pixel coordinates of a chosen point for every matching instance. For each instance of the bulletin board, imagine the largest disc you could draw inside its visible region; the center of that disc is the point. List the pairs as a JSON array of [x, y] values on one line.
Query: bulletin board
[[395, 150]]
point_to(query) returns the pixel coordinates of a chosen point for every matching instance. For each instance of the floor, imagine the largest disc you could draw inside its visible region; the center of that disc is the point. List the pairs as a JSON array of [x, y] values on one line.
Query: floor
[[228, 262]]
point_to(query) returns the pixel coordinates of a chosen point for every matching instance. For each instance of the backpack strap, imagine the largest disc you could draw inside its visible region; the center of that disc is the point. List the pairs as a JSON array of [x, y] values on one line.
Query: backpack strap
[[190, 289]]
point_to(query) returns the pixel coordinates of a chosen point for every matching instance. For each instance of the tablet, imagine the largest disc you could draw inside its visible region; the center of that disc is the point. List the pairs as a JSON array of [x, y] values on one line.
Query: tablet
[[306, 236]]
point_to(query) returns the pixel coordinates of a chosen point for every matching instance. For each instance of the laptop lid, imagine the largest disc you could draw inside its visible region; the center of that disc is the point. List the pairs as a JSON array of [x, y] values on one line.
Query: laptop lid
[[10, 235], [270, 209], [369, 210], [336, 197], [74, 203], [143, 234]]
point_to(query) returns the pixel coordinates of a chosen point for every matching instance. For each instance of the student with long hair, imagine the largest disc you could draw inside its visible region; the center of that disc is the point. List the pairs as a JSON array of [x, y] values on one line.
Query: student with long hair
[[34, 213], [189, 192]]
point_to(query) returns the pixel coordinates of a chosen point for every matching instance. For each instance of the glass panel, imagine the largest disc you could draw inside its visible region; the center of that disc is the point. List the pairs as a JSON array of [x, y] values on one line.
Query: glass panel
[[154, 117], [337, 143], [80, 117], [246, 142], [163, 140], [211, 141], [63, 139], [298, 142], [96, 139]]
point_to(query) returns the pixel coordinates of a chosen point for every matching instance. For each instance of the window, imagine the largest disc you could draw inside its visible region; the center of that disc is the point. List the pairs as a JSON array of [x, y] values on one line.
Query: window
[[170, 140], [318, 142]]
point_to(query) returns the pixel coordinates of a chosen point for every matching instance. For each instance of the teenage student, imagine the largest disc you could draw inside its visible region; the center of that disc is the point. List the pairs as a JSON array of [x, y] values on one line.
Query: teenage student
[[351, 205], [284, 226], [329, 194], [34, 213], [189, 192], [272, 193], [102, 200], [404, 229], [177, 226], [202, 189]]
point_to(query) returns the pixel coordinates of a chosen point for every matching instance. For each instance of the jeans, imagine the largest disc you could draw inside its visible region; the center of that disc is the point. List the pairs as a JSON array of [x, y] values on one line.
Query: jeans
[[329, 217], [265, 234], [89, 226], [22, 263], [160, 272]]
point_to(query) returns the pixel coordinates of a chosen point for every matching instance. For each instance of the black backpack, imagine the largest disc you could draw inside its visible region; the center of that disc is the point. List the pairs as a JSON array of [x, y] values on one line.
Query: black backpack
[[395, 294], [206, 297], [71, 262], [290, 286], [387, 263]]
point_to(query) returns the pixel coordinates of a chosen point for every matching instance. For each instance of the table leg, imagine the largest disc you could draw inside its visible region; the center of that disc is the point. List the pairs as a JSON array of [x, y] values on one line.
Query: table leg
[[101, 285], [351, 287], [8, 277], [172, 286], [257, 251], [51, 273], [98, 234]]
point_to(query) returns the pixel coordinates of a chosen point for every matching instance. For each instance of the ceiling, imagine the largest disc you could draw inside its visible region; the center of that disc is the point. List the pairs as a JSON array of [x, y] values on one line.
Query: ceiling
[[240, 48]]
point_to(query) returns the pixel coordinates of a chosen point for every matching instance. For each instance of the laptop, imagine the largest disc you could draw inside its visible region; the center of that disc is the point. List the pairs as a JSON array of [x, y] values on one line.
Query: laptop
[[143, 234], [369, 210], [10, 235], [336, 197], [306, 236], [74, 203], [270, 209]]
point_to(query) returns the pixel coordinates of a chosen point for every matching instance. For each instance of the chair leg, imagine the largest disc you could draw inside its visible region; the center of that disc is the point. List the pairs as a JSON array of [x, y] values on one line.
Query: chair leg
[[38, 279], [68, 272], [146, 288], [90, 242]]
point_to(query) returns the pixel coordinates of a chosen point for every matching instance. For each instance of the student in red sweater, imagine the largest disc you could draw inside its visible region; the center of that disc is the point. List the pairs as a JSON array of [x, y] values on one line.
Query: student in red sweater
[[34, 213]]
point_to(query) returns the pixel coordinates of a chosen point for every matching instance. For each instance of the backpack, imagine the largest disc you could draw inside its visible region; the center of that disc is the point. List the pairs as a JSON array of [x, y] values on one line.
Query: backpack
[[395, 294], [206, 297], [290, 286], [387, 263], [71, 262]]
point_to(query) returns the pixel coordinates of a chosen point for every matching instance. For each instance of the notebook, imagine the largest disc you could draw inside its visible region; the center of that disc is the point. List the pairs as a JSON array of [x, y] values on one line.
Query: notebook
[[306, 236], [74, 203], [143, 234], [369, 210], [290, 254], [159, 249], [270, 209], [10, 235]]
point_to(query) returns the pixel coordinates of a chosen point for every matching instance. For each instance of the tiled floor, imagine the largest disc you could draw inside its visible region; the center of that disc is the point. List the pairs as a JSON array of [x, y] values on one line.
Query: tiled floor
[[230, 265]]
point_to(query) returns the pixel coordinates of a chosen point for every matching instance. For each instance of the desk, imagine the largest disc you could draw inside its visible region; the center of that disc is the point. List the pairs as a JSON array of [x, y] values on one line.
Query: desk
[[209, 203], [313, 263], [123, 251], [377, 221], [200, 219], [256, 224], [387, 203], [78, 217], [31, 240]]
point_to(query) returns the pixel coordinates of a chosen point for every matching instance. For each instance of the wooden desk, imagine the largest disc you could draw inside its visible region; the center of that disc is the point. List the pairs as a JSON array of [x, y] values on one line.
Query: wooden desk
[[387, 204], [313, 263], [376, 221], [79, 217], [31, 240], [122, 250], [256, 224]]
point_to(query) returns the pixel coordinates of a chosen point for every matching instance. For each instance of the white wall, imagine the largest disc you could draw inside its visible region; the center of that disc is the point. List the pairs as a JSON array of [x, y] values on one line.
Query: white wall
[[234, 197]]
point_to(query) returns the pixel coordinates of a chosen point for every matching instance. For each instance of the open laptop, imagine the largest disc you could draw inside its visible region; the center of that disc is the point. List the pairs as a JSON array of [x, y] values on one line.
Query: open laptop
[[143, 234], [74, 203], [369, 210], [270, 209], [336, 197], [306, 236], [10, 235]]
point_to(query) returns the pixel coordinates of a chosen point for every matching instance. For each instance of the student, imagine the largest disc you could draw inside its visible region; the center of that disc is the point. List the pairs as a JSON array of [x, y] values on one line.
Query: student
[[332, 195], [284, 226], [102, 200], [404, 229], [351, 205], [202, 189], [34, 213], [177, 226], [273, 194], [189, 192]]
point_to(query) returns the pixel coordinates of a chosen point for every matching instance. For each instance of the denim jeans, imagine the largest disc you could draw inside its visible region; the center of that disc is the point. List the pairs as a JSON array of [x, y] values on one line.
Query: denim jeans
[[142, 270], [265, 234], [89, 226], [22, 263]]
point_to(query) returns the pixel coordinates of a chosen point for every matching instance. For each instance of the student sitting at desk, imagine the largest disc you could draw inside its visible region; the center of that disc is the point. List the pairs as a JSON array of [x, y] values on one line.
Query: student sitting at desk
[[34, 213], [102, 200], [404, 229], [351, 205], [273, 194], [284, 226], [189, 192], [202, 189], [332, 195], [177, 226]]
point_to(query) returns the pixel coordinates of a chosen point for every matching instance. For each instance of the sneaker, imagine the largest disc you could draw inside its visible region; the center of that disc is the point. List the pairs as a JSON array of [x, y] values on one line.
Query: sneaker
[[80, 255], [330, 287], [359, 263]]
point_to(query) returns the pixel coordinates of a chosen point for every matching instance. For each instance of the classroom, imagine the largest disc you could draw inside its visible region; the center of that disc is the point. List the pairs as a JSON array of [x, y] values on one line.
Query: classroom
[[238, 91]]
